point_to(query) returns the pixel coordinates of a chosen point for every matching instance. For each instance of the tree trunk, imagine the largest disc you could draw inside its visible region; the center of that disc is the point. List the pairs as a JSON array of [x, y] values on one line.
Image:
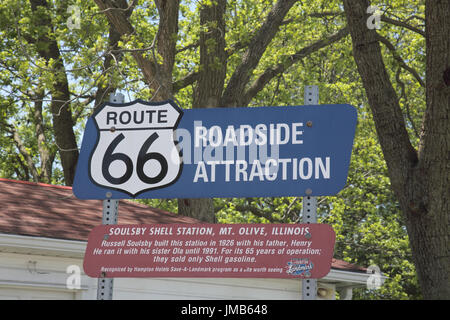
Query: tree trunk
[[63, 124], [430, 229], [209, 88], [419, 179], [60, 104], [166, 45], [201, 209]]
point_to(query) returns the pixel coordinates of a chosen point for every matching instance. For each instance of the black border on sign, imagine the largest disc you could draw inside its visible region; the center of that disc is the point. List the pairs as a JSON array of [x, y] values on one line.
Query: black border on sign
[[119, 105]]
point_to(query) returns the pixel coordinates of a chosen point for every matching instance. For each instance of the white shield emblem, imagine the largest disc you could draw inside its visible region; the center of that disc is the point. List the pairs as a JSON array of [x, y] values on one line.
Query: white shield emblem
[[136, 150]]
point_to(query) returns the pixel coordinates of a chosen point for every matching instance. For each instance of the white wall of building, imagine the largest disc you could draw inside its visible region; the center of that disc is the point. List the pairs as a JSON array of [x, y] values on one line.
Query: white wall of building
[[37, 268]]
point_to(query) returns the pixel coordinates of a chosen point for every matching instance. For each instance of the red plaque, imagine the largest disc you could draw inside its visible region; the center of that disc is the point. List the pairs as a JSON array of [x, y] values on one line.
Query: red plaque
[[210, 250]]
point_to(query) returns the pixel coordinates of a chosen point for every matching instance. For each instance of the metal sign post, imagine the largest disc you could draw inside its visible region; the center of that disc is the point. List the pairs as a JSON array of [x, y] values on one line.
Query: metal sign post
[[110, 214], [309, 286]]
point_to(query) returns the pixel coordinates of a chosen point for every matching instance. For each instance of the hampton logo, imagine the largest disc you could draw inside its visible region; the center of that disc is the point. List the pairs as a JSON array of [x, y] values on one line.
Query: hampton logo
[[299, 267]]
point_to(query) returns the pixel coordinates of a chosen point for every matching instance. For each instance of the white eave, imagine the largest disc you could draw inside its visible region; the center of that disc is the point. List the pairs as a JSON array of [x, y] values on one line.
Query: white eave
[[75, 249], [42, 246]]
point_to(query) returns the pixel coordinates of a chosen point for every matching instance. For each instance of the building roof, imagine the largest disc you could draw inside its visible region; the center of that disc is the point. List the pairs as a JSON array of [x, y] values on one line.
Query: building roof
[[42, 210], [50, 211]]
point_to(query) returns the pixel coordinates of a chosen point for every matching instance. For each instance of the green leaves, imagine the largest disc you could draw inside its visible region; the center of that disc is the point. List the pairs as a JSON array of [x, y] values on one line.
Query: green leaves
[[365, 215]]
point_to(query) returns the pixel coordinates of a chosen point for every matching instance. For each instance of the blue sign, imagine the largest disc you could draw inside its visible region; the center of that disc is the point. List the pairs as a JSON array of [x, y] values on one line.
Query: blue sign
[[157, 150]]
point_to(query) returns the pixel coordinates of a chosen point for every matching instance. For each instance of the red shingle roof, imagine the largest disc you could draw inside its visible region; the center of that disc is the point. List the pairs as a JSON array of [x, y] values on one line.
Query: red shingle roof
[[37, 209], [43, 210]]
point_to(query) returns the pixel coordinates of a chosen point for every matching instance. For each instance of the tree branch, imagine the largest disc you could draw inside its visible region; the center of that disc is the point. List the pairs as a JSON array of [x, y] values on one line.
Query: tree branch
[[402, 24], [258, 44], [127, 11], [119, 18], [397, 57], [189, 79], [404, 96], [113, 45], [23, 151], [20, 176], [257, 212], [270, 73], [326, 14], [42, 145], [188, 47]]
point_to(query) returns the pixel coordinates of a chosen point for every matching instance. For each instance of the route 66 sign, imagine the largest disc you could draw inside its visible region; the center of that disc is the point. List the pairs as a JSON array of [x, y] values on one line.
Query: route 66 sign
[[135, 149], [159, 151]]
